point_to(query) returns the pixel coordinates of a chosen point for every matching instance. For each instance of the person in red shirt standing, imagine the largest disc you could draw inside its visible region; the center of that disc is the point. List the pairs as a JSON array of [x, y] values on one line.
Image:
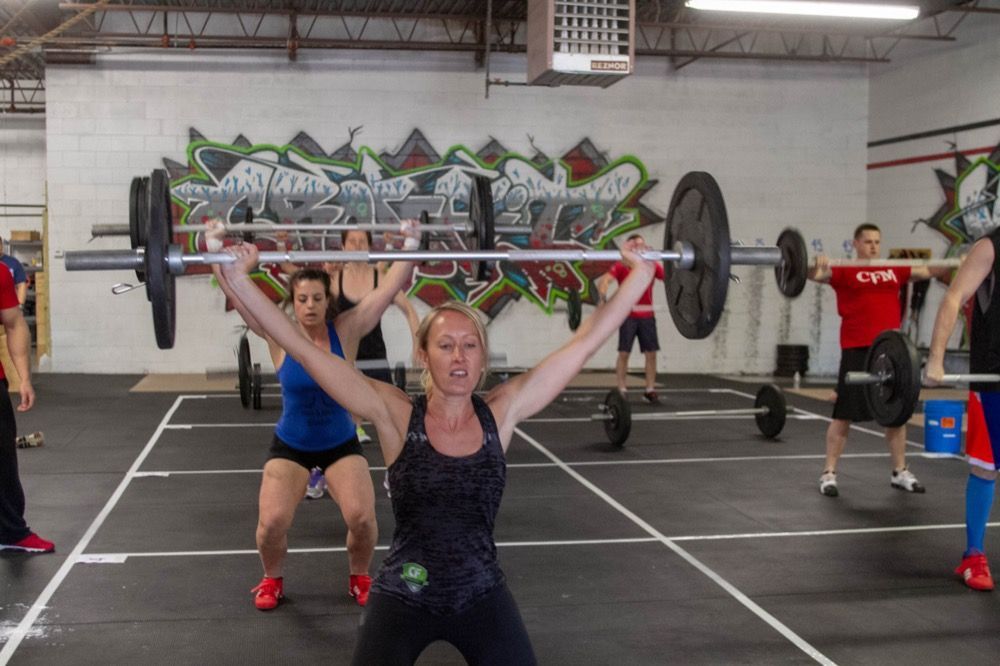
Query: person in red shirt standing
[[641, 322], [14, 532], [868, 304]]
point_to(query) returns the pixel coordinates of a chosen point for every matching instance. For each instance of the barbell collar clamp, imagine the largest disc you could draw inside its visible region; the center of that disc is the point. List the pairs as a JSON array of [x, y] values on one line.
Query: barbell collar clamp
[[862, 378]]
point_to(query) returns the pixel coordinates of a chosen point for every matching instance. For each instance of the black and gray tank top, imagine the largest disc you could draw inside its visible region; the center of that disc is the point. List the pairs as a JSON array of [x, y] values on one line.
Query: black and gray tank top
[[984, 335], [443, 558]]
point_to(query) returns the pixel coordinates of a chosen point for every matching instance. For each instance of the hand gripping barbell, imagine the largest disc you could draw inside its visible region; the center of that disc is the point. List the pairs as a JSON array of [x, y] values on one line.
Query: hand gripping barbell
[[769, 411], [696, 264], [793, 270], [892, 380]]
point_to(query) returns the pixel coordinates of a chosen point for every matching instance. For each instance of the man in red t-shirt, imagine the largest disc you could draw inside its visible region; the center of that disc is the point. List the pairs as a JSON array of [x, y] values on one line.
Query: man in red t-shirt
[[868, 304], [641, 322], [14, 532]]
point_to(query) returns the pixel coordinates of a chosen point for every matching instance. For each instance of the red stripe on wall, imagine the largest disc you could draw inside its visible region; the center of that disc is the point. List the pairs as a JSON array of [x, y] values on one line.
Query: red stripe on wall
[[929, 158]]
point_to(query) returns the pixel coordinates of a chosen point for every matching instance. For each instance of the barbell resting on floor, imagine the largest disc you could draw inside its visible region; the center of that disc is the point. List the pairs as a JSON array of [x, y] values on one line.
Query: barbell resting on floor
[[696, 264], [769, 411], [892, 380], [792, 272]]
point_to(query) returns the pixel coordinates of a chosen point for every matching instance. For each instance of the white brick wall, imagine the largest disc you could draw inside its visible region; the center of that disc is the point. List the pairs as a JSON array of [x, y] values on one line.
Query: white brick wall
[[935, 87], [785, 142], [22, 170]]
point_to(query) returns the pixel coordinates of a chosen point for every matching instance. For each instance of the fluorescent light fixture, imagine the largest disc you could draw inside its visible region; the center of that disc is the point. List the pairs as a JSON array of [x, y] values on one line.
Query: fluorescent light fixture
[[806, 8]]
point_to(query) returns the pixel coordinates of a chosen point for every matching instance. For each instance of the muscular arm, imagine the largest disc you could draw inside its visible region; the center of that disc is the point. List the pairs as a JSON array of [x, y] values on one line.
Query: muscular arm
[[357, 322], [529, 393], [820, 269], [19, 348], [22, 292], [974, 270]]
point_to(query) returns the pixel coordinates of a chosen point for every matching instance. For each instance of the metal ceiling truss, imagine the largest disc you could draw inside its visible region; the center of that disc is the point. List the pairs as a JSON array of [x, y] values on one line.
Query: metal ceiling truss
[[76, 31]]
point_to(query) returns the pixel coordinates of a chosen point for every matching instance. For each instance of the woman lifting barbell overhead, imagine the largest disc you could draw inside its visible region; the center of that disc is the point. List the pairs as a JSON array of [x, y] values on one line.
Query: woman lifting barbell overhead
[[975, 280], [445, 452], [315, 431]]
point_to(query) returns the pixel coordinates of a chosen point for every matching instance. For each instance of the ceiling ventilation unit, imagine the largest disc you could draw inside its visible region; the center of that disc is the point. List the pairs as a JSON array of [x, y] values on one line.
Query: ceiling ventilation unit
[[580, 42]]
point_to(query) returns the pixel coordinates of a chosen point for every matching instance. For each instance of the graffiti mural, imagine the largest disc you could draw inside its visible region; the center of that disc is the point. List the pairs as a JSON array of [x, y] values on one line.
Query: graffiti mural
[[969, 210], [580, 200]]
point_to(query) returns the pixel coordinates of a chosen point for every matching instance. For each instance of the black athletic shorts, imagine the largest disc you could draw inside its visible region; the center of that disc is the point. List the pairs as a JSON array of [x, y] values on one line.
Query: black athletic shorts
[[310, 459], [851, 404], [644, 328]]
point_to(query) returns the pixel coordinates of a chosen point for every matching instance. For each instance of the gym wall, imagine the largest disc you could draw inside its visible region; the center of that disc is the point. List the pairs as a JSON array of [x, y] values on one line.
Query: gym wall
[[946, 86], [22, 169], [786, 143]]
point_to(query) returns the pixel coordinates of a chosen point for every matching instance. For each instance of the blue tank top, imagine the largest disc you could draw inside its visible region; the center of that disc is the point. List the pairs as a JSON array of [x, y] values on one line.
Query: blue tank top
[[443, 558], [310, 419]]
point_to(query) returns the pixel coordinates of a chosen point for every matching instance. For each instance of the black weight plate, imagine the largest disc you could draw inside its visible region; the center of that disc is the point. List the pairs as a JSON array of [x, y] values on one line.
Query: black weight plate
[[481, 219], [697, 216], [257, 385], [772, 423], [791, 273], [160, 282], [619, 425], [138, 217], [574, 309], [133, 211], [893, 401], [244, 366], [399, 376], [425, 236]]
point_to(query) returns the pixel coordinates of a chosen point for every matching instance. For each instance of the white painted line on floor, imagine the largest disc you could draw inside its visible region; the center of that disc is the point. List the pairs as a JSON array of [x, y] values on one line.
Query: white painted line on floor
[[812, 533], [584, 463], [752, 606], [192, 426], [805, 416], [121, 558], [16, 635]]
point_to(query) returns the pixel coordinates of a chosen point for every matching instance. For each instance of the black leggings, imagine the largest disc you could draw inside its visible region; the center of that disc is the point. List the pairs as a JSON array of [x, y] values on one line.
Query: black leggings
[[491, 632], [12, 526]]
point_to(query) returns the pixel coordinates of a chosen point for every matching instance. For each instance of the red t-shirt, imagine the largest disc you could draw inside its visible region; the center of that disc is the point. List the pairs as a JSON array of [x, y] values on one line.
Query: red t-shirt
[[8, 298], [867, 301], [620, 271]]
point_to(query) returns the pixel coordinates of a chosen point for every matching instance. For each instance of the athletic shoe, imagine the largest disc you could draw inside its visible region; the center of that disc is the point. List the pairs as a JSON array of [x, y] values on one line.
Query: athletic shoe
[[30, 544], [975, 571], [359, 588], [30, 441], [828, 484], [651, 397], [363, 436], [317, 484], [268, 593], [904, 480]]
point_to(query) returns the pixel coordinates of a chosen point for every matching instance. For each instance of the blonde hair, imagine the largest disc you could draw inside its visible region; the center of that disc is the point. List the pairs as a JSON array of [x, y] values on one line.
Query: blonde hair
[[424, 330]]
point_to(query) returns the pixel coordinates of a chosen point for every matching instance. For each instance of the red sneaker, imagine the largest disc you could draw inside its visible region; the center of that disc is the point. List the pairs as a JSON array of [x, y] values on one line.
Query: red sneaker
[[976, 572], [268, 593], [30, 544], [360, 586]]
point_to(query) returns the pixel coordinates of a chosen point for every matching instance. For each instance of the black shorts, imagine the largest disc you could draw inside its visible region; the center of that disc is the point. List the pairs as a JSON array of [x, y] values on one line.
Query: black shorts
[[310, 459], [644, 328], [851, 404]]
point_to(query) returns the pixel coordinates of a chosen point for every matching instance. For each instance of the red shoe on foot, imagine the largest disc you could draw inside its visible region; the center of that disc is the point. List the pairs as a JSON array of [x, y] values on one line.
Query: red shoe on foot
[[360, 585], [31, 544], [975, 571], [268, 593]]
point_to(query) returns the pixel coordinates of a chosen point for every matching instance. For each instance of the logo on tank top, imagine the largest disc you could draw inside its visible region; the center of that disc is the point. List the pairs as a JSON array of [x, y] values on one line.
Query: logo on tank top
[[415, 577], [875, 277]]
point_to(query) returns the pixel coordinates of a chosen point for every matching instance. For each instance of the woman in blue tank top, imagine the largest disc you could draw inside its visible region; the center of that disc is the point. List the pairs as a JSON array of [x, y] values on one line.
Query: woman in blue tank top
[[445, 451], [314, 430]]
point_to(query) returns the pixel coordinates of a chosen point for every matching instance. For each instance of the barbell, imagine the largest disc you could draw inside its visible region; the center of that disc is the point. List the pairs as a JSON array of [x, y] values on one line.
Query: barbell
[[892, 379], [696, 264], [769, 411], [251, 384], [792, 271]]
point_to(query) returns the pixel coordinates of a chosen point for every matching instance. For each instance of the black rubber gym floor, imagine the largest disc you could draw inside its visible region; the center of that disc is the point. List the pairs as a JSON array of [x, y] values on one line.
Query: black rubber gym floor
[[699, 542]]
